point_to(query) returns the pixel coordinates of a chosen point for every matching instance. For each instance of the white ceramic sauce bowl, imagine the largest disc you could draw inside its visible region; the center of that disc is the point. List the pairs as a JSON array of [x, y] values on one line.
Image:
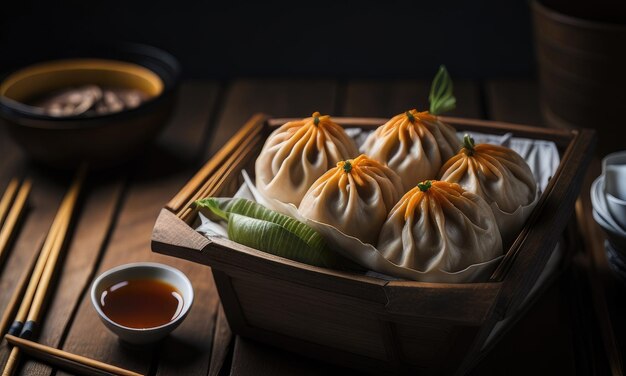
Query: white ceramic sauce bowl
[[613, 159], [602, 216], [600, 206], [615, 190], [142, 270], [615, 181], [617, 208]]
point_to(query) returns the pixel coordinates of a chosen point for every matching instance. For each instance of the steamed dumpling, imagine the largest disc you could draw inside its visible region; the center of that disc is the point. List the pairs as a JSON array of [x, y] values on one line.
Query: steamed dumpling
[[354, 197], [413, 144], [298, 153], [438, 226], [500, 176]]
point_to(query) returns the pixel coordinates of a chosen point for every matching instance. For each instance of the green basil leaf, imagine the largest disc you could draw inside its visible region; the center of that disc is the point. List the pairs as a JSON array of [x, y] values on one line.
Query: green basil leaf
[[441, 96], [213, 204]]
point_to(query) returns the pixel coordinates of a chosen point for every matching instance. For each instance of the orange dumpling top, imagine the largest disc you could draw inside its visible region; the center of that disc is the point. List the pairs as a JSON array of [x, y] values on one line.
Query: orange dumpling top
[[436, 190], [353, 197], [500, 176], [438, 226], [496, 173], [298, 153], [413, 144]]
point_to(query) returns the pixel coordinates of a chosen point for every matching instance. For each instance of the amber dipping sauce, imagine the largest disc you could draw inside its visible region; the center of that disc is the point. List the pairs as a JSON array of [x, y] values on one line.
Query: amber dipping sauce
[[141, 303]]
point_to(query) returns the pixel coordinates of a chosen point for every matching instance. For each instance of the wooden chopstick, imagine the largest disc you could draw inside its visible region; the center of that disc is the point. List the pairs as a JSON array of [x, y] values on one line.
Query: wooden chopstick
[[233, 164], [210, 180], [217, 179], [31, 288], [10, 221], [19, 291], [66, 205], [180, 203], [42, 274], [66, 360], [208, 186], [7, 198], [48, 272]]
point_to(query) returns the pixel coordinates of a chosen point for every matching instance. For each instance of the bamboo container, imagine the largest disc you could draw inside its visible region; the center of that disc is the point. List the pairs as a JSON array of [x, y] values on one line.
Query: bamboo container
[[354, 320]]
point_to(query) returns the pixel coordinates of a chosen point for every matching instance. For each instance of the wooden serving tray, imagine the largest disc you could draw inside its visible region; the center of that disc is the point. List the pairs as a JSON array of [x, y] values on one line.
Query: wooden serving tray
[[359, 321]]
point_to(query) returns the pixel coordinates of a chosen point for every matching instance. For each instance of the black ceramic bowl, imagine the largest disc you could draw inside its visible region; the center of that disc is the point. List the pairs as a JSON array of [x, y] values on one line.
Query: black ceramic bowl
[[101, 140]]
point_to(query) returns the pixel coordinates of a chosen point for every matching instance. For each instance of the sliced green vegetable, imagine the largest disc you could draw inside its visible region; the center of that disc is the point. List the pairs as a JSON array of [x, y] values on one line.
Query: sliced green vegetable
[[441, 97], [253, 225]]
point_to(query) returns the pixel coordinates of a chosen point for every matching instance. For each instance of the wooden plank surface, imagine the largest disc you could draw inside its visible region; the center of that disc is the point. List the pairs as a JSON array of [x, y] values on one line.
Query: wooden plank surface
[[192, 122]]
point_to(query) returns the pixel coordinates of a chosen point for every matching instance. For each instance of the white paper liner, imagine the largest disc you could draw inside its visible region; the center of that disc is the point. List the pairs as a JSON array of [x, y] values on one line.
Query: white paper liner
[[542, 157], [513, 222]]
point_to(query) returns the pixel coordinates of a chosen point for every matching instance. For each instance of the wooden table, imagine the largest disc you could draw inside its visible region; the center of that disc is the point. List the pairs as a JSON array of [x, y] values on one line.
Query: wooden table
[[561, 334]]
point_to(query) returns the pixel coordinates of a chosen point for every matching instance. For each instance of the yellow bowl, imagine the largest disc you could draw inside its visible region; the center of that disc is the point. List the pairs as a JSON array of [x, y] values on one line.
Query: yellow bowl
[[34, 80], [100, 139]]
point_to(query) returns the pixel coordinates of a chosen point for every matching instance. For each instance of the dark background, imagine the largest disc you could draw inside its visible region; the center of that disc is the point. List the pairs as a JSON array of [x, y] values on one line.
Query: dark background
[[475, 39]]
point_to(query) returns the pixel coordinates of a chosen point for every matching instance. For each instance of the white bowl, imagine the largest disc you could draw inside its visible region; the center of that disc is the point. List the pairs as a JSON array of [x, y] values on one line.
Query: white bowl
[[614, 172], [142, 270], [617, 208], [613, 159], [614, 232], [601, 208], [615, 181]]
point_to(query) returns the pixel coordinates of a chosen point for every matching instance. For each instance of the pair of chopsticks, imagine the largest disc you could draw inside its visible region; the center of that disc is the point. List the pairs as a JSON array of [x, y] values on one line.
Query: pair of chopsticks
[[29, 297], [217, 179], [12, 207], [71, 362], [216, 170], [35, 287]]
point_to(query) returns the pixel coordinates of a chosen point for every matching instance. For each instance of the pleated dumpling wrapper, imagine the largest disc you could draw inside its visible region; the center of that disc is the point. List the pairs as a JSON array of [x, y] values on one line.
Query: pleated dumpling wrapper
[[354, 197], [296, 154], [438, 228], [413, 144], [500, 176]]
